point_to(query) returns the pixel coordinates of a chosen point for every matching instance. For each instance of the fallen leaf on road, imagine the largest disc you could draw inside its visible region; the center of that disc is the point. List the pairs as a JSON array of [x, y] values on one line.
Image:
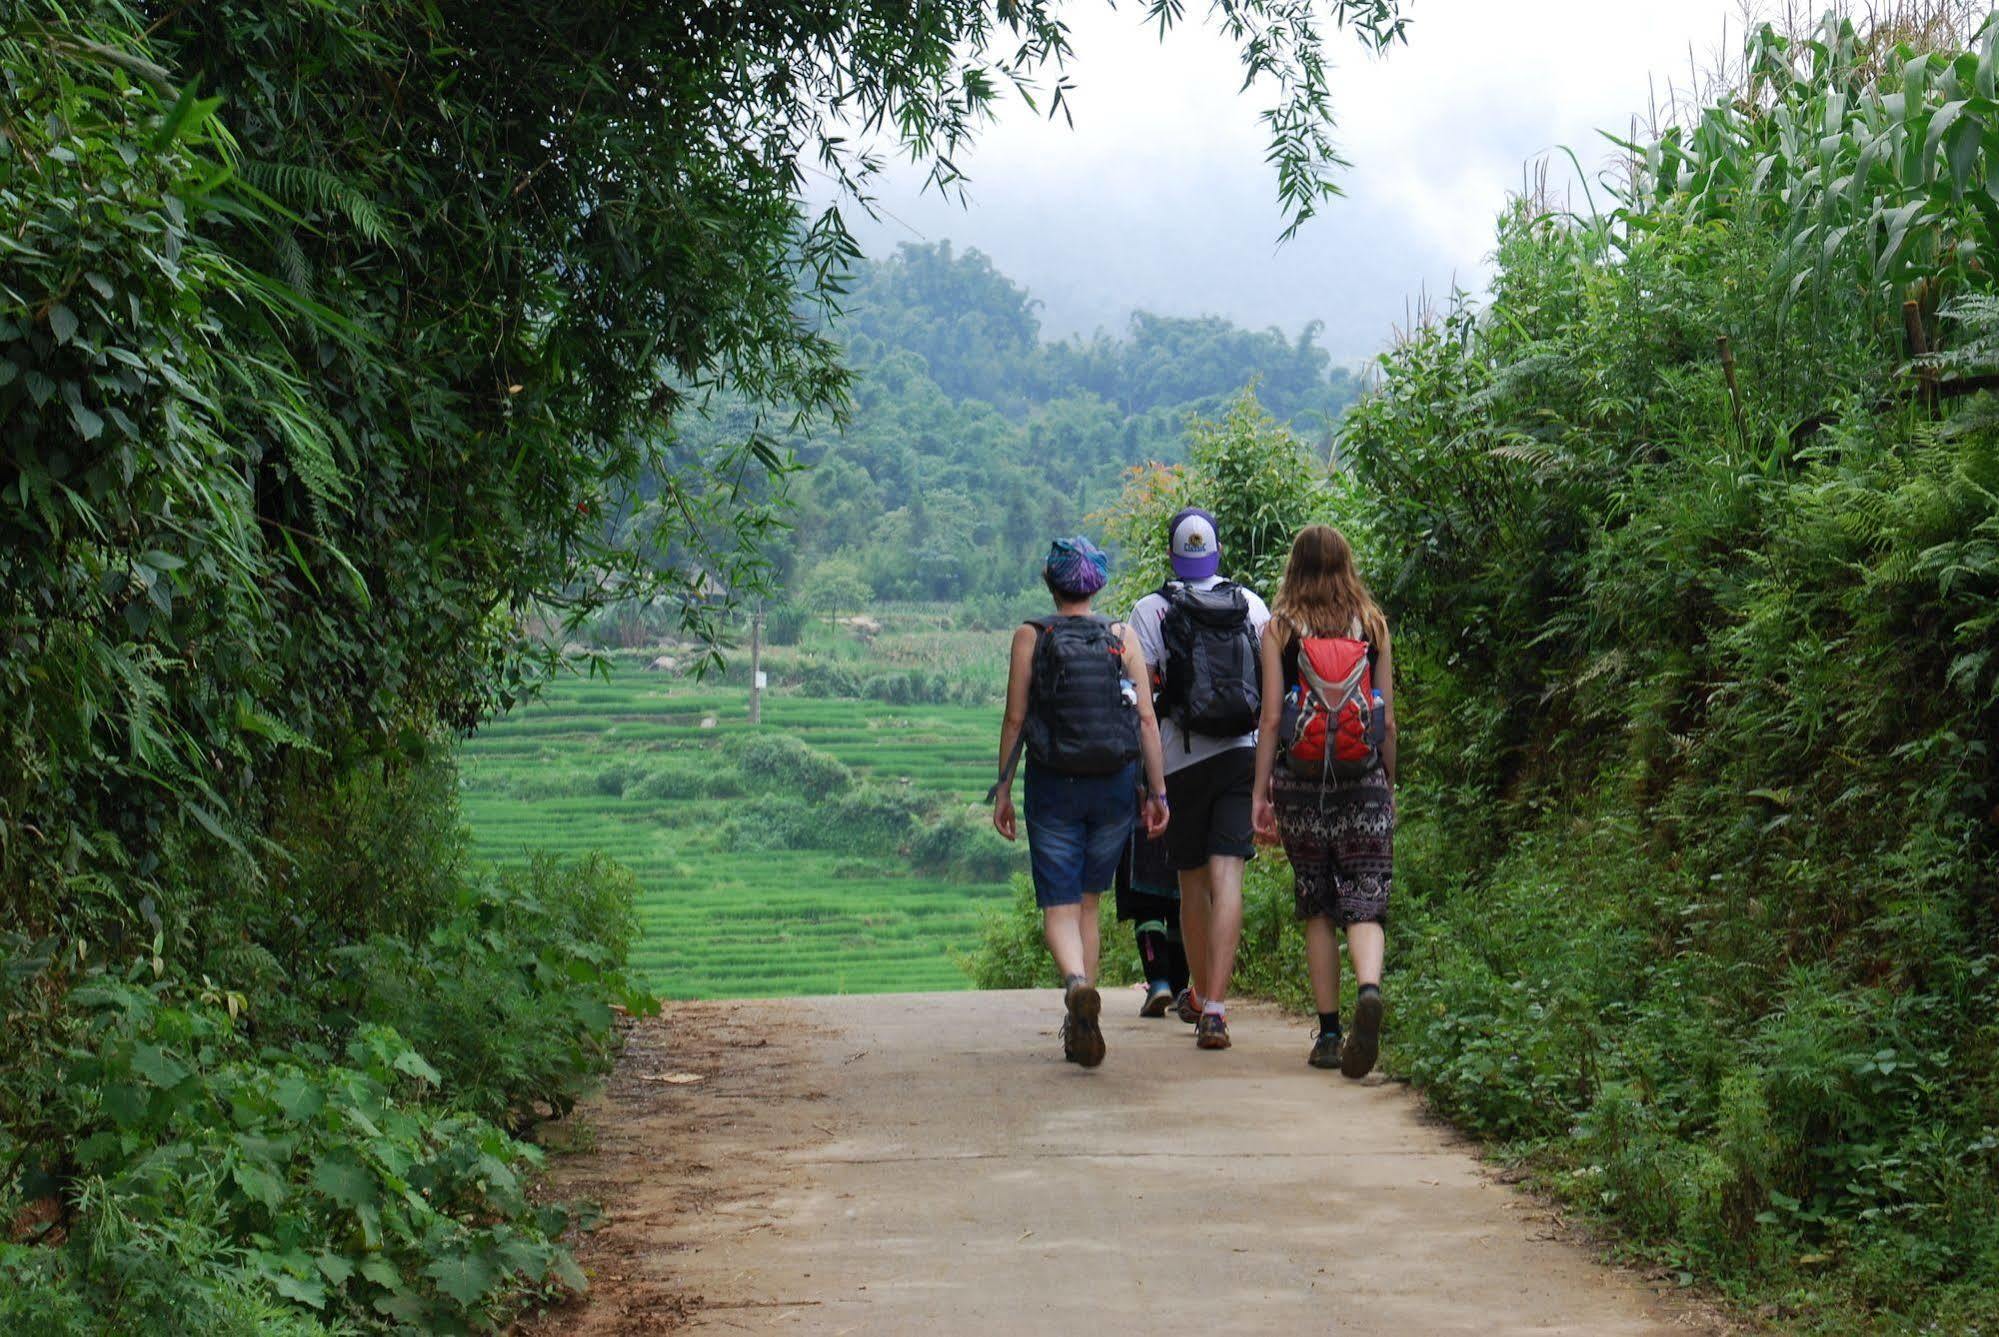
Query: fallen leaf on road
[[673, 1078]]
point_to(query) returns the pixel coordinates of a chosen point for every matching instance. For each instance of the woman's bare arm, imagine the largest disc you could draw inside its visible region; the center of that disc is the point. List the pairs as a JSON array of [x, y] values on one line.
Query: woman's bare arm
[[1384, 682], [1268, 724]]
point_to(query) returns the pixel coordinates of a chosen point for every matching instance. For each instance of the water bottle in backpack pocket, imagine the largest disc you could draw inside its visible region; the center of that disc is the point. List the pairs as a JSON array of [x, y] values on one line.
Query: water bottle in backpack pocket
[[1333, 721]]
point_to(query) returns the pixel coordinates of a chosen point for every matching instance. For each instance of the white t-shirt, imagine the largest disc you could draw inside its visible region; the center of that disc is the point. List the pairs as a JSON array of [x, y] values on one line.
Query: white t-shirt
[[1146, 617]]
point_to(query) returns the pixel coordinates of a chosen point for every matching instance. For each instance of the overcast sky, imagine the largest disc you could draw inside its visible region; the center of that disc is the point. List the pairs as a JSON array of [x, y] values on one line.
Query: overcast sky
[[1158, 197]]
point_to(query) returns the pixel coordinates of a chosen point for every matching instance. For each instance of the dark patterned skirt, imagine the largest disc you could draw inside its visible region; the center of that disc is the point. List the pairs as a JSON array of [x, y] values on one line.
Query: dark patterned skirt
[[1340, 838]]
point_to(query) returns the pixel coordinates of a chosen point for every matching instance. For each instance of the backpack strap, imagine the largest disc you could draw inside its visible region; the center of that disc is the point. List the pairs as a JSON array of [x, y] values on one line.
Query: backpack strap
[[1041, 627]]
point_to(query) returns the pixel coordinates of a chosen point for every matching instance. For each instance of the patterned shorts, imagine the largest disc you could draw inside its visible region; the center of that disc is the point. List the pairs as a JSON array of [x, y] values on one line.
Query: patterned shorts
[[1340, 839]]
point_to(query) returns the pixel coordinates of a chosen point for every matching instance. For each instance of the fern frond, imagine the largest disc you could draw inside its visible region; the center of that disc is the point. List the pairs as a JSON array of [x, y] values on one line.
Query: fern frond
[[291, 259], [305, 189]]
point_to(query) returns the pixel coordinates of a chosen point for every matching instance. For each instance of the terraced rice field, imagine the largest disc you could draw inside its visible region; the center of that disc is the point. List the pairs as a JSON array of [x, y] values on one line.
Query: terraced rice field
[[720, 919]]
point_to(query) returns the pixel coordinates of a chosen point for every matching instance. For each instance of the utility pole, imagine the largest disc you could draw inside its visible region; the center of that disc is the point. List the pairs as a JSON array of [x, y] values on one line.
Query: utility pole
[[757, 663]]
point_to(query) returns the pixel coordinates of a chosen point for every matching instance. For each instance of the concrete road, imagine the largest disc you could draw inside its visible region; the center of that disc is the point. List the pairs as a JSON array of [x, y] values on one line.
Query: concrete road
[[927, 1163]]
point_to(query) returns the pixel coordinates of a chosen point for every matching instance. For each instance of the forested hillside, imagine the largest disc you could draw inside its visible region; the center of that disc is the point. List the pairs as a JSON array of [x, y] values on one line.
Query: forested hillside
[[972, 439]]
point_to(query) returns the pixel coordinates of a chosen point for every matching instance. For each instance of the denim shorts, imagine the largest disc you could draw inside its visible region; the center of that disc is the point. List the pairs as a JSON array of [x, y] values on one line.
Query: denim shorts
[[1077, 826]]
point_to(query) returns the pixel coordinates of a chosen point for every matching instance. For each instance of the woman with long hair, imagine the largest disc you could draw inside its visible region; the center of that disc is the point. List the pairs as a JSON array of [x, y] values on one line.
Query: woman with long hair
[[1336, 811]]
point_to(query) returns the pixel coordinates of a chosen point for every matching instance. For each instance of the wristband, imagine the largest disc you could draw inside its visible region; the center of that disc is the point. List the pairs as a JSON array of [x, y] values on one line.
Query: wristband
[[1161, 799]]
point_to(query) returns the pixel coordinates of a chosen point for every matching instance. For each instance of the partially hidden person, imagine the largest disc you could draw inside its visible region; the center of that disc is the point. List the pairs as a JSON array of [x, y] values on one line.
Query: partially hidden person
[[1148, 898], [1200, 635], [1073, 705], [1325, 778]]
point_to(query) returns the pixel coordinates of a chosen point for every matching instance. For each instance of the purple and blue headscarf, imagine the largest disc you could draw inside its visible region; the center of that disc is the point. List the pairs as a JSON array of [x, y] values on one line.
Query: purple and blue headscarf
[[1076, 567]]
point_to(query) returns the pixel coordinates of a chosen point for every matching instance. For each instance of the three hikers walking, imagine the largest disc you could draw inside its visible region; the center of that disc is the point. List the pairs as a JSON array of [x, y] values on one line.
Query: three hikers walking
[[1275, 725]]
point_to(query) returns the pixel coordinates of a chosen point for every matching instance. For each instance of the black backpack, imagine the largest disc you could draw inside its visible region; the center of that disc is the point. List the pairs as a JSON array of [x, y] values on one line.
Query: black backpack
[[1213, 685], [1080, 718]]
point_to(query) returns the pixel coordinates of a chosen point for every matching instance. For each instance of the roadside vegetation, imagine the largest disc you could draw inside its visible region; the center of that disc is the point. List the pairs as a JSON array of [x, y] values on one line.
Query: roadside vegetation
[[1701, 684]]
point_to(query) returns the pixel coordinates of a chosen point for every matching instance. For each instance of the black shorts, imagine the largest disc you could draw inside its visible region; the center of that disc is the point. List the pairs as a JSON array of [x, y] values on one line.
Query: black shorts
[[1210, 803]]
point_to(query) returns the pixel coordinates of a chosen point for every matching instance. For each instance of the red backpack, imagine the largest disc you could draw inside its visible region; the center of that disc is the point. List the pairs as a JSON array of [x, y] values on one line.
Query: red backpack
[[1333, 720]]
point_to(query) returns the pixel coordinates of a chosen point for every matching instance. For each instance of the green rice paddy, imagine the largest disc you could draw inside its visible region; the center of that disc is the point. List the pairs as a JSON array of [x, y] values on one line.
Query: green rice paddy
[[720, 917]]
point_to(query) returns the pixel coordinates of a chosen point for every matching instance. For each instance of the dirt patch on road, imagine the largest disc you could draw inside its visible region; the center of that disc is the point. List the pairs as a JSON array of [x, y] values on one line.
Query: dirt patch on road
[[680, 1152]]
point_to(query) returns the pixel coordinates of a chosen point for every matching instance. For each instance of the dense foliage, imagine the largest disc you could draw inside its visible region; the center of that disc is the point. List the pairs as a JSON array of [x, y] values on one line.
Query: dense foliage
[[331, 337], [1699, 647]]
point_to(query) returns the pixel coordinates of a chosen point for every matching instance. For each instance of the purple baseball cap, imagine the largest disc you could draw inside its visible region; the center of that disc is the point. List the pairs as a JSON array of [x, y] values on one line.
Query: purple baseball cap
[[1197, 552]]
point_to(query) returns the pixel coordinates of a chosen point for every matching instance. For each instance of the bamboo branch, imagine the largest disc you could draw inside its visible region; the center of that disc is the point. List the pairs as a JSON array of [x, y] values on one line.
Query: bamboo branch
[[1734, 390]]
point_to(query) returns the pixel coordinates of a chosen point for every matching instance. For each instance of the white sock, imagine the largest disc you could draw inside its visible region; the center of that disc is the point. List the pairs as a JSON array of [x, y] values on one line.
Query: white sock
[[1214, 1009]]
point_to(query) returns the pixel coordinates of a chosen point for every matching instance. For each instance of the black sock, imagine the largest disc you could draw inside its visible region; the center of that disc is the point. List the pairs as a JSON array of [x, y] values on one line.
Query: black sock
[[1366, 989], [1329, 1023]]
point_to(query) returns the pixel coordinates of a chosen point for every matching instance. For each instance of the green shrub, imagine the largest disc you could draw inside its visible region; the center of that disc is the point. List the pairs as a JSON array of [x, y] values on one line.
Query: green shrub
[[865, 821], [781, 763], [616, 779], [1012, 954], [257, 1189], [512, 994], [826, 678], [705, 774], [963, 844], [873, 819], [785, 623]]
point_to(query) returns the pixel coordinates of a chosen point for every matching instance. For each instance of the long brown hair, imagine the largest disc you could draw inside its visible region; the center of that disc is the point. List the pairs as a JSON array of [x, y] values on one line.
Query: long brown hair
[[1322, 592]]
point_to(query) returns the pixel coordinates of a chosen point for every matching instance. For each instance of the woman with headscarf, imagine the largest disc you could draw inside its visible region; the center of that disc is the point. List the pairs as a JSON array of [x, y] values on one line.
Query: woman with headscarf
[[1073, 704]]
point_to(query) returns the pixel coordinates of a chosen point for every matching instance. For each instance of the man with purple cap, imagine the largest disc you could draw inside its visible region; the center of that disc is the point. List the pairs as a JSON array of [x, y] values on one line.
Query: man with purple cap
[[1199, 635]]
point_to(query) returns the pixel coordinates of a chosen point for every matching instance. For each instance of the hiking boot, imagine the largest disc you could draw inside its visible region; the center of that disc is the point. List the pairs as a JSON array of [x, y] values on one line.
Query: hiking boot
[[1364, 1045], [1083, 1038], [1211, 1031], [1186, 1008], [1068, 1045], [1325, 1050], [1156, 1002]]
